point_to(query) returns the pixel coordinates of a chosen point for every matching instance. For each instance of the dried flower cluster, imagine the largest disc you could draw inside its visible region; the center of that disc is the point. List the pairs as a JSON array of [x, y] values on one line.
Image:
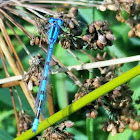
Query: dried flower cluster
[[58, 132], [117, 104], [34, 74], [98, 34], [25, 122], [132, 10]]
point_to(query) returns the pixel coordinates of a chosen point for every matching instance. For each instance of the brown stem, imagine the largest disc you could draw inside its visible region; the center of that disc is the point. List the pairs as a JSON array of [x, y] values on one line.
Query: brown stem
[[8, 40], [19, 15], [10, 84], [11, 92], [16, 115], [16, 72], [50, 100]]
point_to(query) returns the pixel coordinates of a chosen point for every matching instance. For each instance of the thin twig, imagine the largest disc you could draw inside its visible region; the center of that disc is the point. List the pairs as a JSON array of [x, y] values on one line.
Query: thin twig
[[16, 24], [11, 79], [36, 13], [25, 48], [91, 58], [68, 2], [81, 67], [81, 62], [15, 12], [40, 9], [97, 64]]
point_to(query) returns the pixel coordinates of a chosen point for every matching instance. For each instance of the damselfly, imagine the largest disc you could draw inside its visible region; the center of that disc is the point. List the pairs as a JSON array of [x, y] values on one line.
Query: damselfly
[[54, 31]]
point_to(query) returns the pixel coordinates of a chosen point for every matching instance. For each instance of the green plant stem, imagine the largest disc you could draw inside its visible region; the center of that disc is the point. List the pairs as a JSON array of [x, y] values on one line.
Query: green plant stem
[[82, 102], [90, 128]]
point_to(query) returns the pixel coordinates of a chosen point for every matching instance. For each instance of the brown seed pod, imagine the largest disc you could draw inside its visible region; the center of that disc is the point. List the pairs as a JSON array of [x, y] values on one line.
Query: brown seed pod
[[37, 41], [135, 126], [34, 78], [99, 44], [93, 114], [91, 28], [98, 24], [87, 38], [131, 33], [102, 39], [114, 131], [121, 130], [110, 37], [69, 124], [96, 83], [110, 127]]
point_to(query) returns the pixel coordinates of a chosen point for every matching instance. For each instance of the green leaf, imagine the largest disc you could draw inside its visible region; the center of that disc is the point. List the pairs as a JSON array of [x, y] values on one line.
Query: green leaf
[[6, 114], [5, 136]]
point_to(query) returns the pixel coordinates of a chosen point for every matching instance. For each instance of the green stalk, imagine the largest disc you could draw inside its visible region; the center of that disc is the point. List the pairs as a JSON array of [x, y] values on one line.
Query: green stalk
[[82, 102], [90, 128]]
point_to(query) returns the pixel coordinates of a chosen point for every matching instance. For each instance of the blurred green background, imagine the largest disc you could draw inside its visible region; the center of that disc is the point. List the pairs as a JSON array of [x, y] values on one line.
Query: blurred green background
[[64, 88]]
